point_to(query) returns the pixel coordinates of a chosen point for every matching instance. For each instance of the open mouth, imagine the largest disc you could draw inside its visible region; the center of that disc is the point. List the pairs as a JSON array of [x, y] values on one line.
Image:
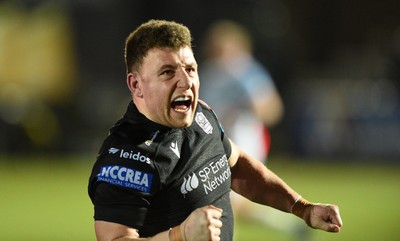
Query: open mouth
[[181, 104]]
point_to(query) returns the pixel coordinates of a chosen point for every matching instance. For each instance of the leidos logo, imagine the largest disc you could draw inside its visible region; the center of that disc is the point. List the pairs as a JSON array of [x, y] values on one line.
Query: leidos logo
[[129, 155], [189, 184]]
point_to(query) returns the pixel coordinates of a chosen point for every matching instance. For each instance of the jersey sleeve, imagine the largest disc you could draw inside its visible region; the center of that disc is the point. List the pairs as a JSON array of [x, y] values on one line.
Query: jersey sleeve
[[227, 146], [121, 185]]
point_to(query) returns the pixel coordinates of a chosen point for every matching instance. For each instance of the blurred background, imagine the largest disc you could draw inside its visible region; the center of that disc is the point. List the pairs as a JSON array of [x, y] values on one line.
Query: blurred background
[[336, 65]]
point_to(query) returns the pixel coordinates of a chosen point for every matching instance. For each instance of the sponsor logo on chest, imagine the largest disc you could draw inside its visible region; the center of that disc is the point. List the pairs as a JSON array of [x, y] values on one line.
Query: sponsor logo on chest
[[209, 178]]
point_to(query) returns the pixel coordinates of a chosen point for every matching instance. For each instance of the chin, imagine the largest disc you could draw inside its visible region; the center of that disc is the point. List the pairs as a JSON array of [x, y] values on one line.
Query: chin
[[184, 123]]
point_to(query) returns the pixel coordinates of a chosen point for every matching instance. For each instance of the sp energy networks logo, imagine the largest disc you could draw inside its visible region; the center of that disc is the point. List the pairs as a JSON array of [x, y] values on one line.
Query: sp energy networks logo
[[137, 156], [189, 184], [126, 177], [210, 177]]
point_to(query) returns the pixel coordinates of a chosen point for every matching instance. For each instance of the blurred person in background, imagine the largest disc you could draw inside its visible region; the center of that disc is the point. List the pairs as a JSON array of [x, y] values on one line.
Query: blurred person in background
[[239, 88], [242, 93], [166, 169]]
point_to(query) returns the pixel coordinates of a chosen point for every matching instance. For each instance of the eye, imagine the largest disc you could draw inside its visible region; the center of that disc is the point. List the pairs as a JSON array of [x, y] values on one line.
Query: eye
[[168, 72], [191, 70]]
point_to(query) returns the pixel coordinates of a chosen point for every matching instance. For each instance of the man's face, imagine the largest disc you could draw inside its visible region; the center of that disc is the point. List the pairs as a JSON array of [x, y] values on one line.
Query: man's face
[[167, 87]]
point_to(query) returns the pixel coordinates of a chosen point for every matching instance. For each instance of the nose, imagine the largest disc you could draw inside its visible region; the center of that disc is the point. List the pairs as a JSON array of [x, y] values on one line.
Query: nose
[[184, 80]]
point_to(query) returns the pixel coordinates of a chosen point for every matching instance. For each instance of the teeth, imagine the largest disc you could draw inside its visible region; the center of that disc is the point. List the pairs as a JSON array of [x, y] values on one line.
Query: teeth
[[181, 104], [182, 98]]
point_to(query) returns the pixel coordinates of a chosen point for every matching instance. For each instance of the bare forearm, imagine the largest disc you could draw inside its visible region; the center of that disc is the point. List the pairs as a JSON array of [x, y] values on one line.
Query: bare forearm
[[256, 182], [163, 236], [202, 224], [159, 237], [107, 231]]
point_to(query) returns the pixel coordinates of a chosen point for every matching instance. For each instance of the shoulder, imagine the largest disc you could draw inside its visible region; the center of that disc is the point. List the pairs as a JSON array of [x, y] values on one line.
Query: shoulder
[[203, 104], [204, 107], [205, 113], [126, 159]]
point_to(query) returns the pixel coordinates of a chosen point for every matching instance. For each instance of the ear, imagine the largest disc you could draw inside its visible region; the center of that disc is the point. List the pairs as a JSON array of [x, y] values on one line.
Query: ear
[[133, 83]]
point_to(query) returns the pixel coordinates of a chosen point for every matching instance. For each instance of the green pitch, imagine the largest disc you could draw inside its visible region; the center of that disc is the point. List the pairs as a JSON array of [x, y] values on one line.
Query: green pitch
[[46, 199]]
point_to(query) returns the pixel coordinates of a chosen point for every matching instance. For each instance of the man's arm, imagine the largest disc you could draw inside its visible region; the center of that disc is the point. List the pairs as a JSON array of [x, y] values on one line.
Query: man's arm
[[269, 107], [107, 231], [252, 179], [203, 224]]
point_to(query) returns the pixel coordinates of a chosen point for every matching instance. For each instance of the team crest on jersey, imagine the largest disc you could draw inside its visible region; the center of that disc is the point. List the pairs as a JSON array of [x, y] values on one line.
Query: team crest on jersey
[[202, 121], [150, 141]]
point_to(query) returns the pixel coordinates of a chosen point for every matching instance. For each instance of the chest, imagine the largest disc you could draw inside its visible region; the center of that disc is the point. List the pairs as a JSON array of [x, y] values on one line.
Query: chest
[[193, 166]]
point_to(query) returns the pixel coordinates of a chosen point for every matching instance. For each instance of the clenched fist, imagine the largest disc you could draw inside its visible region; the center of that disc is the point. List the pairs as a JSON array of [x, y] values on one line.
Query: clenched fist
[[203, 224]]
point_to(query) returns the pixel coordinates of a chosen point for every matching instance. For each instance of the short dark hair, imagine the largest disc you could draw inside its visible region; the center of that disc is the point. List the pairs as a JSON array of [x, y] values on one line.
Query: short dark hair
[[154, 34]]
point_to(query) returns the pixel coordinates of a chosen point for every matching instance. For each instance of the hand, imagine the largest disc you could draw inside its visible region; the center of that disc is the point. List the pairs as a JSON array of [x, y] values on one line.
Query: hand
[[323, 216], [203, 224]]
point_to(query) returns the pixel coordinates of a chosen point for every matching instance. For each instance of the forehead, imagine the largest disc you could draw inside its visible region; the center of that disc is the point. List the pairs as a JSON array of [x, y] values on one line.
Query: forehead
[[161, 56]]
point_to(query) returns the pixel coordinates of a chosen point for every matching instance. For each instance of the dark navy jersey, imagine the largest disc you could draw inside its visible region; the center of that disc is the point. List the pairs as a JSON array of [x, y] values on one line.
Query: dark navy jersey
[[151, 177]]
